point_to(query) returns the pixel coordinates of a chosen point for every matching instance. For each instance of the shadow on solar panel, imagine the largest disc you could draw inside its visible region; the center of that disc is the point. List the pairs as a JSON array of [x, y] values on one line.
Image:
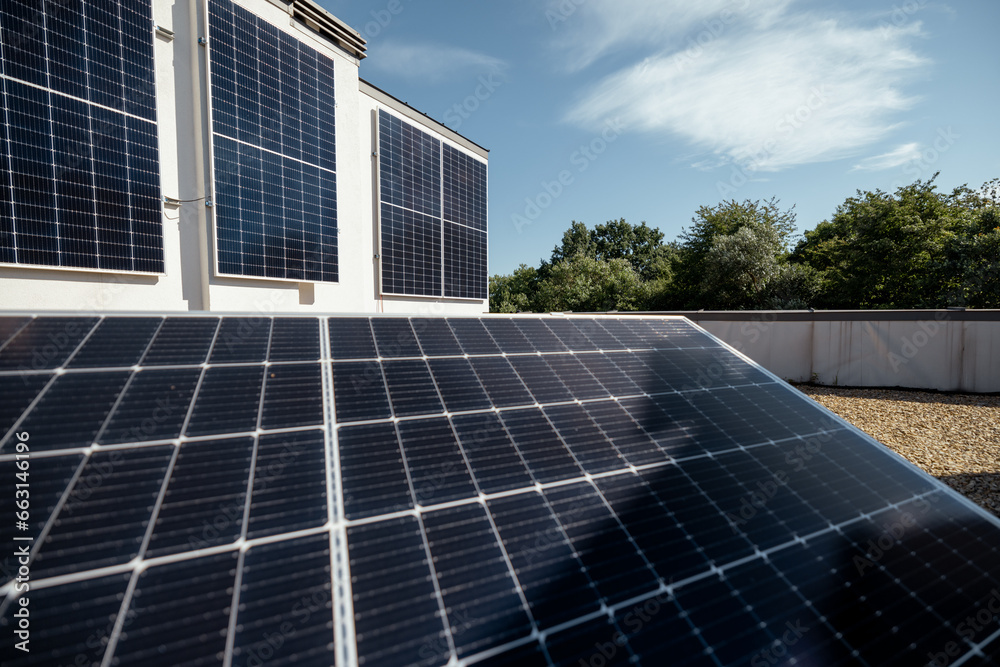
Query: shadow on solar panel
[[567, 491]]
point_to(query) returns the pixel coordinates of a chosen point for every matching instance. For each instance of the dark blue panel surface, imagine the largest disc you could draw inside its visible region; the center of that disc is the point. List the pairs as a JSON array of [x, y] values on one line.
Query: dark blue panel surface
[[273, 111], [79, 187], [656, 500]]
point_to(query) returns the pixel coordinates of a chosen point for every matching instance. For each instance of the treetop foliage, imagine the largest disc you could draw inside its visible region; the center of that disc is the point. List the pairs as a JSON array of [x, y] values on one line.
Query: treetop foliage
[[914, 248]]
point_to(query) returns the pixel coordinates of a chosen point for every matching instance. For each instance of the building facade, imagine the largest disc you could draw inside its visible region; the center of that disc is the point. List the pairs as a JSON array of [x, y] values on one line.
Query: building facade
[[224, 155]]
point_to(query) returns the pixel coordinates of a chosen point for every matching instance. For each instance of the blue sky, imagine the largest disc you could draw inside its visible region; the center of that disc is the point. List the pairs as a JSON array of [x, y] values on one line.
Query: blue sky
[[600, 109]]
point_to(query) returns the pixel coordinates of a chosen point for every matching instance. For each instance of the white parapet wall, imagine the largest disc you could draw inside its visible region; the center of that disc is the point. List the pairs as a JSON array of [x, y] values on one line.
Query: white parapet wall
[[946, 350]]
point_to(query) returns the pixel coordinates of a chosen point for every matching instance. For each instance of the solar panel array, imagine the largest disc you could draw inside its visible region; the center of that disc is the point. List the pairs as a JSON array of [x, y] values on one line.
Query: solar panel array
[[79, 169], [491, 491], [433, 214], [273, 111]]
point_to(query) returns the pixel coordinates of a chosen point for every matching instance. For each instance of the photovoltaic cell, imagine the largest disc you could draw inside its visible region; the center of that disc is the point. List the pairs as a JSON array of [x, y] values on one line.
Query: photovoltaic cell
[[656, 500], [116, 342], [374, 475], [411, 388], [45, 343], [70, 413], [289, 484], [360, 391], [458, 385], [395, 338], [152, 407], [436, 464], [351, 338], [436, 337], [228, 401], [203, 587], [79, 182], [203, 502], [124, 483], [292, 396], [182, 341], [241, 340], [274, 147], [268, 587]]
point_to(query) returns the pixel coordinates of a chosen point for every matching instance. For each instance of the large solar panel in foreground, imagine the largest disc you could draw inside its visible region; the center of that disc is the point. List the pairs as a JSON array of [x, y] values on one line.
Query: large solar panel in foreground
[[490, 491]]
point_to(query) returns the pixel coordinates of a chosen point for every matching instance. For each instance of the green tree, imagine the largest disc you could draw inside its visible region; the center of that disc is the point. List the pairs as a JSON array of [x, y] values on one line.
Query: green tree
[[585, 284], [640, 245], [576, 240], [514, 293], [724, 219], [898, 250]]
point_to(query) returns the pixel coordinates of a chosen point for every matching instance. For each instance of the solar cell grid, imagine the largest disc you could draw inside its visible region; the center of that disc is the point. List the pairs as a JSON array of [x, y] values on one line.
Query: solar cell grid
[[79, 187], [274, 149], [671, 504], [432, 212]]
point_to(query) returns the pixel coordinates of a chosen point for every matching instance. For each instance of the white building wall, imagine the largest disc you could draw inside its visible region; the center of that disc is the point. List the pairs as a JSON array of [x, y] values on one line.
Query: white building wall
[[189, 282]]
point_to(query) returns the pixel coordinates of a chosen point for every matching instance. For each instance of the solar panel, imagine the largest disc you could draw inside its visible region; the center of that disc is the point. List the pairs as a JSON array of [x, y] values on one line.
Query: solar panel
[[79, 168], [524, 490], [432, 203], [274, 150]]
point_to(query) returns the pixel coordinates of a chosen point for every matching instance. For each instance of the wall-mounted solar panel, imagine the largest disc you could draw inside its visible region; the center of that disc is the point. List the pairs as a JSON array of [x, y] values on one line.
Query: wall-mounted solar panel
[[79, 166], [432, 209], [274, 150], [541, 491]]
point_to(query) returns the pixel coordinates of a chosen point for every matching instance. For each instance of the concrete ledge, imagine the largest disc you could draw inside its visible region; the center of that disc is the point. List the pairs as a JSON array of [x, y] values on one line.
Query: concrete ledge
[[946, 350]]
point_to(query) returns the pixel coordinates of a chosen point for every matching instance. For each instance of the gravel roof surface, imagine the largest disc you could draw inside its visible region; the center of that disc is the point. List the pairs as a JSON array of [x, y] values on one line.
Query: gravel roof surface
[[955, 437]]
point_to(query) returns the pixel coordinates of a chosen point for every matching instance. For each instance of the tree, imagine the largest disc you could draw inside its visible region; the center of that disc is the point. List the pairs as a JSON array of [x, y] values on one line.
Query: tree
[[576, 240], [584, 284], [514, 293], [884, 250], [640, 245], [725, 219], [740, 267]]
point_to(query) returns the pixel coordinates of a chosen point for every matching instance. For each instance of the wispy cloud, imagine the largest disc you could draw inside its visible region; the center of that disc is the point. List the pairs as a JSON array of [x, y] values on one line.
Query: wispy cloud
[[598, 28], [432, 63], [894, 158], [773, 88]]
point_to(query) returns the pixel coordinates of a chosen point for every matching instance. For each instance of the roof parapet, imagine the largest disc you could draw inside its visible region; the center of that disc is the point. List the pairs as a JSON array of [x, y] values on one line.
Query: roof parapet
[[329, 26]]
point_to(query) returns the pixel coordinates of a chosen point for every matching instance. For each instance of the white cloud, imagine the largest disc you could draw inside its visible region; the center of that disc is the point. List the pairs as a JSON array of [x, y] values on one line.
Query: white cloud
[[432, 63], [587, 30], [894, 158], [768, 90]]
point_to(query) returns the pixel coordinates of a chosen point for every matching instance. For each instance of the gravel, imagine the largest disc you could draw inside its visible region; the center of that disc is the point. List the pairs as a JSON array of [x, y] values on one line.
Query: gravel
[[955, 437]]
